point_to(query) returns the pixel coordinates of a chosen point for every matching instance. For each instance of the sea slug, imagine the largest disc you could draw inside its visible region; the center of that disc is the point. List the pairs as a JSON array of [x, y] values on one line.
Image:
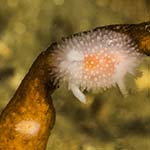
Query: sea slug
[[93, 60]]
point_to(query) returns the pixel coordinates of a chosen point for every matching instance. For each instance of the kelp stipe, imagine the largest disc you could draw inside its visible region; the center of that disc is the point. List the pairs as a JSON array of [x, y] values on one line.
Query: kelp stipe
[[27, 120]]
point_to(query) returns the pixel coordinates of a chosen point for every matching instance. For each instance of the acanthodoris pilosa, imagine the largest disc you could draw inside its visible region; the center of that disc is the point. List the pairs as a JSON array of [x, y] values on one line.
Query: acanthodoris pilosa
[[95, 59]]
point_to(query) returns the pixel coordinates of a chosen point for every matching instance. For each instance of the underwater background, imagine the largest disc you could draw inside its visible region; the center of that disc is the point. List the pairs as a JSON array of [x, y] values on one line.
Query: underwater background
[[108, 121]]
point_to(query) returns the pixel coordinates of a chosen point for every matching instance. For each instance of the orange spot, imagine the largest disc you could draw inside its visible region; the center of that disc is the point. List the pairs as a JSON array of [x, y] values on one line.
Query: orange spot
[[100, 62], [91, 61]]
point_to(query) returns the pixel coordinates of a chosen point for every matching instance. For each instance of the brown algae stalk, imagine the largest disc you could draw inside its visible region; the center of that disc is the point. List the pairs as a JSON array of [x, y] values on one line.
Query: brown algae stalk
[[28, 118], [26, 121]]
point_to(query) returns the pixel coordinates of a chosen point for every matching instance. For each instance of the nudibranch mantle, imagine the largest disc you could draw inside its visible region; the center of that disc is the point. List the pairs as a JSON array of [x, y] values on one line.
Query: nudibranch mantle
[[95, 60]]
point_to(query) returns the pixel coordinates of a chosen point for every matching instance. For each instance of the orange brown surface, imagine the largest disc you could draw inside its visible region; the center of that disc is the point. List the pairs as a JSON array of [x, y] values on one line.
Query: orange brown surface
[[27, 120]]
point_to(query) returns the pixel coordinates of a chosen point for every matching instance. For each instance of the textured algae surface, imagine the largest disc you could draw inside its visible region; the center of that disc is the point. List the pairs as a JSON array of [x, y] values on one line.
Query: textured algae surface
[[108, 121]]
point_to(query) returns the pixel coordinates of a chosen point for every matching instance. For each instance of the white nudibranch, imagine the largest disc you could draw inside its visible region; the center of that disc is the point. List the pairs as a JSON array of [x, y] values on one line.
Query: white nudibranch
[[95, 60]]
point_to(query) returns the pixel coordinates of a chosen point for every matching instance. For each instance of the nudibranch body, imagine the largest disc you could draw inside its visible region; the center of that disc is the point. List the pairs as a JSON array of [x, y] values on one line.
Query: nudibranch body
[[93, 60]]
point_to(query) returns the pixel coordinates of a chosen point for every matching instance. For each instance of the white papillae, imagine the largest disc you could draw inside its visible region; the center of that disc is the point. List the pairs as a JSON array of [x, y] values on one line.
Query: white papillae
[[95, 60]]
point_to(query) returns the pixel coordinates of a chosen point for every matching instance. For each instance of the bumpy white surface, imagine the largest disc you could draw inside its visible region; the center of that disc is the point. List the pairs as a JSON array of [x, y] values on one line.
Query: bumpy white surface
[[95, 59]]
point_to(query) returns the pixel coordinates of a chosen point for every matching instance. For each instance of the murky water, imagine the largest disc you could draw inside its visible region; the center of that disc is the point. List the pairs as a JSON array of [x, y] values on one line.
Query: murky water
[[108, 121]]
